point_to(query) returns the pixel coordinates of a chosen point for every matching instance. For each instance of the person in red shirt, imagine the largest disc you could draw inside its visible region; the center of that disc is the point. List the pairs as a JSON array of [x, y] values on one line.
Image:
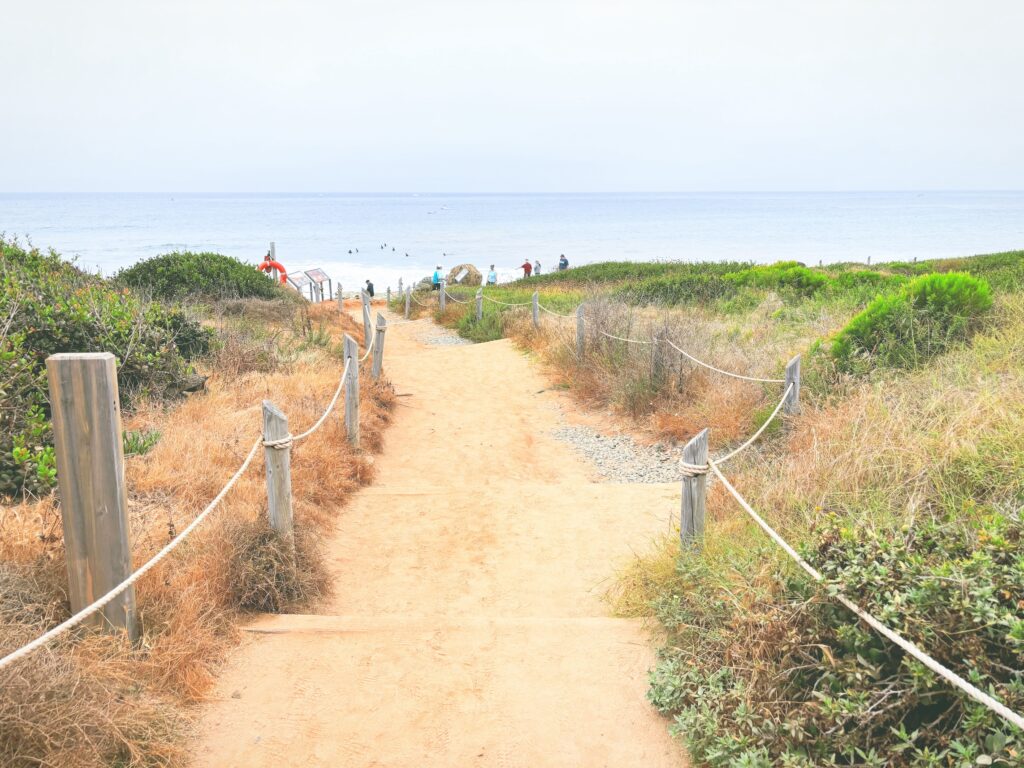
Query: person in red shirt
[[527, 268]]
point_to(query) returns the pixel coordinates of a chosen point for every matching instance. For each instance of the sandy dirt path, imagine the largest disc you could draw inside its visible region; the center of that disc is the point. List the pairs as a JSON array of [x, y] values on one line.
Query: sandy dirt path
[[467, 627]]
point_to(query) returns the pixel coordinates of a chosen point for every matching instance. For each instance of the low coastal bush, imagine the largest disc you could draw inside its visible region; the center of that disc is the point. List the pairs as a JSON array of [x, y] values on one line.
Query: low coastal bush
[[48, 306], [209, 275], [788, 275], [903, 329]]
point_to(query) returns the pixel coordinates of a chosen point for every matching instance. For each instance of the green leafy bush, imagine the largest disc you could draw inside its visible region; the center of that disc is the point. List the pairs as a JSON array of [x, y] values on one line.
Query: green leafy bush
[[798, 681], [48, 306], [180, 275], [906, 328]]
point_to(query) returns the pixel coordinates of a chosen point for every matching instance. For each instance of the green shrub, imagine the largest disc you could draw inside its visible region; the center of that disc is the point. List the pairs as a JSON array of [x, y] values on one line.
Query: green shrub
[[788, 275], [48, 306], [904, 329], [490, 328], [798, 681], [180, 275]]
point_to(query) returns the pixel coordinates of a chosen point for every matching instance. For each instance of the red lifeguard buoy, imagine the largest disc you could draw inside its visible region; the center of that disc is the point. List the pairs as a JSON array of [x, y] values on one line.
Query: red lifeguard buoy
[[268, 265]]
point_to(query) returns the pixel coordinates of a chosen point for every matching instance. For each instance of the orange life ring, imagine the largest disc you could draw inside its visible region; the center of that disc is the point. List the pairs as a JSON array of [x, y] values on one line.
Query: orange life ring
[[268, 265]]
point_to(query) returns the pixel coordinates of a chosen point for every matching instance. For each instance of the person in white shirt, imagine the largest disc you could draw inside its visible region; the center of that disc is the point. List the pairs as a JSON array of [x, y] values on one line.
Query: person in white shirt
[[492, 276], [536, 267]]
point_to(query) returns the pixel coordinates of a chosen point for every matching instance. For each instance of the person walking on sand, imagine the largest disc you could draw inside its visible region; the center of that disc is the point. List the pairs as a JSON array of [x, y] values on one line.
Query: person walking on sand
[[536, 267], [369, 289], [435, 282], [563, 263], [492, 276], [527, 268]]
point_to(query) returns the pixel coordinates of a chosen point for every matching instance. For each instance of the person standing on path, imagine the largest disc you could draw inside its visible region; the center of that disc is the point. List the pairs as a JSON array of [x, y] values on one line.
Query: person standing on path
[[536, 267], [563, 263], [492, 276], [435, 284], [527, 268]]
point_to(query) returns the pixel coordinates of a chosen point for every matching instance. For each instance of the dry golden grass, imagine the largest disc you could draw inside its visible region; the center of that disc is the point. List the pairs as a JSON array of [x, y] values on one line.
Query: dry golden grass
[[92, 701]]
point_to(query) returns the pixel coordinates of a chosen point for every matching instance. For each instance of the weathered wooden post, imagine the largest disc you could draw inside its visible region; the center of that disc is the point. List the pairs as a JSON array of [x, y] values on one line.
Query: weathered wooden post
[[408, 297], [378, 347], [444, 292], [389, 296], [278, 460], [367, 333], [89, 447], [341, 300], [479, 304], [580, 333], [400, 289], [792, 404], [351, 352], [536, 310], [691, 519], [273, 257]]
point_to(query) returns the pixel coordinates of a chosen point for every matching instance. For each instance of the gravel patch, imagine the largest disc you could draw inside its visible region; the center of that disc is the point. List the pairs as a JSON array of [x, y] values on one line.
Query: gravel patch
[[438, 335], [620, 458]]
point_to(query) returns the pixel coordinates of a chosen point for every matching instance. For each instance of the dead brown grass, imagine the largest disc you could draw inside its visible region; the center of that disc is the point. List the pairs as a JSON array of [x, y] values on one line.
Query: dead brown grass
[[91, 700]]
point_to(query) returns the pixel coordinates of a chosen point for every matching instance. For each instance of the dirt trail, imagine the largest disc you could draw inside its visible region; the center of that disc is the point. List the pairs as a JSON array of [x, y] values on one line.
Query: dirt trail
[[468, 626]]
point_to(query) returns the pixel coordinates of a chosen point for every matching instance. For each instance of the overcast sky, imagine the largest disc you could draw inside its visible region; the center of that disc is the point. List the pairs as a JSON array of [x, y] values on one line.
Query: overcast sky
[[488, 96]]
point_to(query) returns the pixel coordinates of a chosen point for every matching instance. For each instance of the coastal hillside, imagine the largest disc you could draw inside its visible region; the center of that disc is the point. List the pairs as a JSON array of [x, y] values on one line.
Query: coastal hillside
[[900, 480]]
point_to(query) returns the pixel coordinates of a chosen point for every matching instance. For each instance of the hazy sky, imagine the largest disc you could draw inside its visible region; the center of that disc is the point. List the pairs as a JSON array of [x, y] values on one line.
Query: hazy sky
[[445, 95]]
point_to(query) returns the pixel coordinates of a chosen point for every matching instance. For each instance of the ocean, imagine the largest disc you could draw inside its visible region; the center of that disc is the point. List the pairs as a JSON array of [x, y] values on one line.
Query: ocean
[[355, 237]]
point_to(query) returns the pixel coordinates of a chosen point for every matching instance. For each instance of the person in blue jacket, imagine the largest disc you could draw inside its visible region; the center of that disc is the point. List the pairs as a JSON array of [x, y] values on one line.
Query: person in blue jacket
[[437, 279]]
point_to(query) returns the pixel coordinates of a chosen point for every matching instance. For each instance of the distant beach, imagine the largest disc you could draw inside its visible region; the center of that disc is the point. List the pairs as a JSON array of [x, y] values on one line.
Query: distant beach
[[385, 237]]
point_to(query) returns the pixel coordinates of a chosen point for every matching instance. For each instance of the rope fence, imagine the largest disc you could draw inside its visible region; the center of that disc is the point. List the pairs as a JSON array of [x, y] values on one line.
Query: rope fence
[[276, 440]]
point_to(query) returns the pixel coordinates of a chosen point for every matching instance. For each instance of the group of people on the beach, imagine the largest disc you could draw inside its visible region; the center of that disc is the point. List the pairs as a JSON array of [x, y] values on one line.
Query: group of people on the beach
[[534, 269]]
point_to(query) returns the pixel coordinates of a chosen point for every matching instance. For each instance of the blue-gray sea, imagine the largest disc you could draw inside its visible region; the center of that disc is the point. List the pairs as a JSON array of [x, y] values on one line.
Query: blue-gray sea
[[383, 237]]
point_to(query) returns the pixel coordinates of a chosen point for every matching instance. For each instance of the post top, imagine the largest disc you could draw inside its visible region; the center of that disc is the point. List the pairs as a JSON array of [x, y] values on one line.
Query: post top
[[60, 356]]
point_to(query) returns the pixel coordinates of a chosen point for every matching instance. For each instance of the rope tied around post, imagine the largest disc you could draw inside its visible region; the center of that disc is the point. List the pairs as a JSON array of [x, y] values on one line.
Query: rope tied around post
[[281, 443]]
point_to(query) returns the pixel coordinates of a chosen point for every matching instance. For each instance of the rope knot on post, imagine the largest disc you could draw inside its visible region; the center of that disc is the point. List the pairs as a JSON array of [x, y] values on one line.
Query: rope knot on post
[[280, 443], [686, 469]]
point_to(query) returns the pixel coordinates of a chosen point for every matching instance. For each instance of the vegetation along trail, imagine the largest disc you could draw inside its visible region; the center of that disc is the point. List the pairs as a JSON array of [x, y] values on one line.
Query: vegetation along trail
[[467, 625]]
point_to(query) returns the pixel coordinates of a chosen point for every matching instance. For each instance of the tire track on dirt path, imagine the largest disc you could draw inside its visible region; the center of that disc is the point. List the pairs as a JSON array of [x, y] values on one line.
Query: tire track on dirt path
[[467, 626]]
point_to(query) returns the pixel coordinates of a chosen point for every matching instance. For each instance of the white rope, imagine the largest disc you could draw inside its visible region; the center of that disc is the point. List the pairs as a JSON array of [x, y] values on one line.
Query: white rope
[[619, 338], [719, 370], [366, 354], [413, 297], [98, 604], [288, 440], [457, 301], [942, 671], [404, 322], [506, 304], [552, 312], [686, 469]]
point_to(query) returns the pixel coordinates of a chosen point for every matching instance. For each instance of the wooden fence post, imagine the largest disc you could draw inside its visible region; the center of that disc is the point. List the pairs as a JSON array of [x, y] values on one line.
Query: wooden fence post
[[351, 351], [90, 471], [536, 310], [378, 347], [389, 296], [580, 333], [792, 404], [408, 297], [273, 257], [341, 301], [479, 304], [367, 333], [440, 298], [278, 461], [691, 522], [401, 290]]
